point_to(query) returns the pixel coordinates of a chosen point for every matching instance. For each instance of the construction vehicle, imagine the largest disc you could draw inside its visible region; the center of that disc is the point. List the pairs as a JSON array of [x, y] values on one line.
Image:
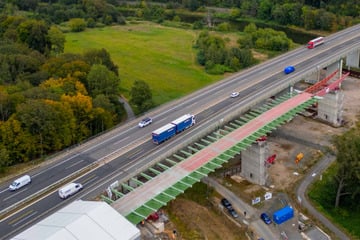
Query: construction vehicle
[[299, 157]]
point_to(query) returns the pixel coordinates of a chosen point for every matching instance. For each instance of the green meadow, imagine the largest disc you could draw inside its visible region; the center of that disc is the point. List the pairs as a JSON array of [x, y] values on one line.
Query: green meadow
[[163, 57]]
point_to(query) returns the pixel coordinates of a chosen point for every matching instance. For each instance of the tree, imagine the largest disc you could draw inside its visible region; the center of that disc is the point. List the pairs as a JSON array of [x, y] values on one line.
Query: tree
[[348, 165], [57, 40], [82, 108], [4, 158], [141, 96], [101, 56], [20, 144], [50, 123], [77, 24], [101, 80], [265, 8], [35, 34]]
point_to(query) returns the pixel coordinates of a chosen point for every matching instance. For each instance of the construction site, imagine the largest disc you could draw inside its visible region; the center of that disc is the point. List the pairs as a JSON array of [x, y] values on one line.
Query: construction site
[[284, 157]]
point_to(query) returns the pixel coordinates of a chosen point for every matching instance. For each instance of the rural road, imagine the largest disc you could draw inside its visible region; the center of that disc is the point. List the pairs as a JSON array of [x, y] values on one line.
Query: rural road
[[314, 174]]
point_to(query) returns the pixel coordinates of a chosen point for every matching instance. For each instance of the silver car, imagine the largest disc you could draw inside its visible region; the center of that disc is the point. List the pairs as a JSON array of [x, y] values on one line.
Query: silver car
[[145, 122]]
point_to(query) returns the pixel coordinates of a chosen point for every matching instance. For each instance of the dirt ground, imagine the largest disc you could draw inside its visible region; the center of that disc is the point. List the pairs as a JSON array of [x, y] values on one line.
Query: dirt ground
[[282, 173], [205, 224]]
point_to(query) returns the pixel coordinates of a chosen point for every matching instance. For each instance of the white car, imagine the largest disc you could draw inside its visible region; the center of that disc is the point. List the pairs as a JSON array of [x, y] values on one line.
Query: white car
[[145, 122], [234, 94]]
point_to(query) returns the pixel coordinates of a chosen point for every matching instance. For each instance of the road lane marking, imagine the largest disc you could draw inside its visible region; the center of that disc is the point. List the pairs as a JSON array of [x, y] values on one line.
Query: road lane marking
[[22, 217], [78, 162], [130, 155], [121, 140], [6, 189], [90, 179], [13, 195]]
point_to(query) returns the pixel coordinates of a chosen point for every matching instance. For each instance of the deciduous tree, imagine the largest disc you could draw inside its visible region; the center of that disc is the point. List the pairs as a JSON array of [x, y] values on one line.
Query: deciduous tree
[[348, 165], [141, 96], [57, 40], [100, 80]]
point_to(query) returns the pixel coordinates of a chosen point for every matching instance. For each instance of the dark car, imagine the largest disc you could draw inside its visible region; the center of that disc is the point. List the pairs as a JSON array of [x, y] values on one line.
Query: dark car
[[226, 203], [145, 122], [265, 218], [233, 213]]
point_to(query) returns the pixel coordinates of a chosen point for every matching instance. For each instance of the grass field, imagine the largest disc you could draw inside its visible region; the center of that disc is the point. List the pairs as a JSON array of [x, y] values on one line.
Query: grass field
[[161, 56]]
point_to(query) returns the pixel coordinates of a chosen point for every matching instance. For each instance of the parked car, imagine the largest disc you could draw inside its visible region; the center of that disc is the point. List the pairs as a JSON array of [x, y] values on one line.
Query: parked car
[[145, 122], [233, 213], [265, 218], [226, 204], [234, 94]]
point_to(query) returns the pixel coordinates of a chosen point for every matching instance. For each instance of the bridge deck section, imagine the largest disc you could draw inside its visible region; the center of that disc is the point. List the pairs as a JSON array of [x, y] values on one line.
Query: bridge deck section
[[144, 193]]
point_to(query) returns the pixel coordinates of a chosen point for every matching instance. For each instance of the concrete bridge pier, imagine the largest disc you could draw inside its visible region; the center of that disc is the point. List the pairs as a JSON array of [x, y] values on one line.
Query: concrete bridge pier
[[330, 108], [253, 167], [353, 59]]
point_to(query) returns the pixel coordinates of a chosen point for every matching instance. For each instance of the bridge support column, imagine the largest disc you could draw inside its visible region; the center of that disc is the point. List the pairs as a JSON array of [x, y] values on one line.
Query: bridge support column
[[253, 163], [353, 59], [330, 108]]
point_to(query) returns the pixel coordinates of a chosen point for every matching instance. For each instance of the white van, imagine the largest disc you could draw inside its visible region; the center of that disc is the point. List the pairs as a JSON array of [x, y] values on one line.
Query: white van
[[69, 190], [20, 182]]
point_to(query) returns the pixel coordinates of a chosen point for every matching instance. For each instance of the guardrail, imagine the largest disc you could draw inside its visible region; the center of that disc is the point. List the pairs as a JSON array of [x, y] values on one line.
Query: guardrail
[[5, 212]]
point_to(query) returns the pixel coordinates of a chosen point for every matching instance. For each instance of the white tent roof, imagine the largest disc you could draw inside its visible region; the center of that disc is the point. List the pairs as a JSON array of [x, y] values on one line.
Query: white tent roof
[[82, 220]]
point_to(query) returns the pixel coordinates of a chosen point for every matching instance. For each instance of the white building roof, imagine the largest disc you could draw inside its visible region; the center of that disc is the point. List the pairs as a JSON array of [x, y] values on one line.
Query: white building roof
[[82, 220]]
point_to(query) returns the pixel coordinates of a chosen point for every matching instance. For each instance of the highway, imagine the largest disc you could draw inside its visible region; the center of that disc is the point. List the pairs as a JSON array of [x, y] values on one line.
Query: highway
[[119, 153]]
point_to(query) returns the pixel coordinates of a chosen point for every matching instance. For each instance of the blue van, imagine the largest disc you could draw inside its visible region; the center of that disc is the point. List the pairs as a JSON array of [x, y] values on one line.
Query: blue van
[[289, 69]]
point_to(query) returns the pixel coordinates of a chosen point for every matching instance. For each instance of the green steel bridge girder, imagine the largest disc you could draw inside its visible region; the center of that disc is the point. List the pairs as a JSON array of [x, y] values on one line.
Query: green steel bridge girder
[[232, 152], [240, 123], [154, 171], [146, 176], [193, 149], [127, 187], [253, 114], [237, 148], [200, 145], [213, 138], [234, 124], [213, 164], [205, 169], [139, 183], [170, 161], [106, 199], [258, 111], [117, 193], [218, 134], [242, 118], [250, 117], [219, 160], [206, 141], [229, 128], [186, 153], [179, 157], [163, 166], [147, 205]]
